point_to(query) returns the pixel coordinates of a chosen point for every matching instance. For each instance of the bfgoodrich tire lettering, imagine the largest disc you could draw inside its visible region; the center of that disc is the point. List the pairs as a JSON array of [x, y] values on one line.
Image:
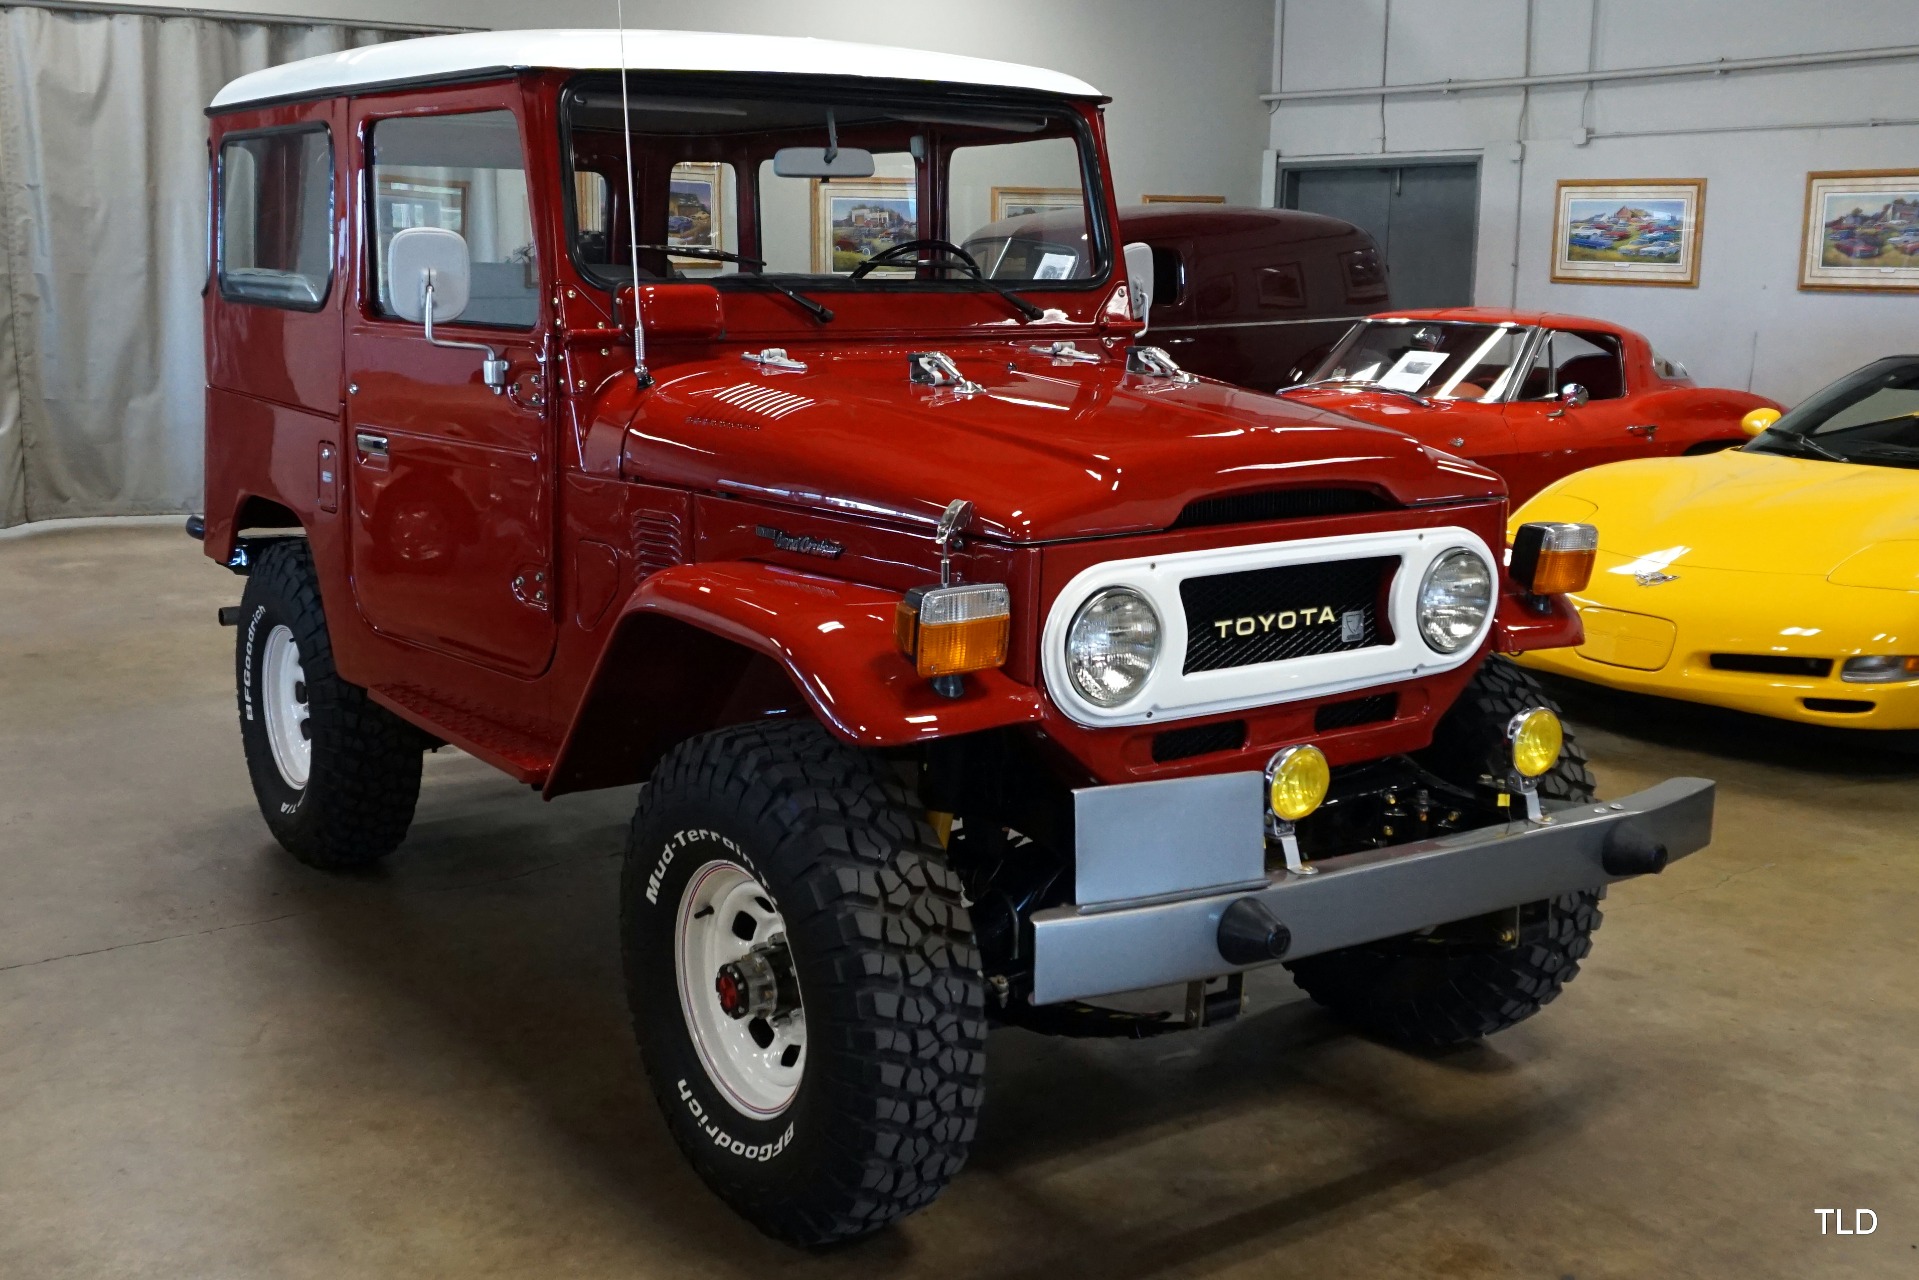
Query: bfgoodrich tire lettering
[[1427, 995], [882, 952], [362, 774]]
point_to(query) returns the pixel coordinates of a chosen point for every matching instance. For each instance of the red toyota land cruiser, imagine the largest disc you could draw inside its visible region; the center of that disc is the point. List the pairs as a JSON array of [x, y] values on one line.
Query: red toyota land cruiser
[[973, 660]]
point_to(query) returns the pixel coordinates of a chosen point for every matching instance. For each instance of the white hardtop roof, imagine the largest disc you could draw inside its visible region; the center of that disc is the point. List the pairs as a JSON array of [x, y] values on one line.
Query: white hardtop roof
[[452, 57]]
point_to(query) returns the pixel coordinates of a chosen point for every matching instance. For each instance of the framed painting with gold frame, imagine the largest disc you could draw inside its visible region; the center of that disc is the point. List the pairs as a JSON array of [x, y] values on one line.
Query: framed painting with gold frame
[[1013, 202], [1163, 199], [1628, 231], [695, 211], [852, 221], [1861, 231]]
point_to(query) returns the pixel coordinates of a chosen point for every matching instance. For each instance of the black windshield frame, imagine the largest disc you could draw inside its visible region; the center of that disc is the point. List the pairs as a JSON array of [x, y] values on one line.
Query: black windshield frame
[[1850, 443]]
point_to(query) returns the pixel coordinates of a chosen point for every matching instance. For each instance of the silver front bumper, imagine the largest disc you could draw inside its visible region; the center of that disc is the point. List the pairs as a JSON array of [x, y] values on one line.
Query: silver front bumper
[[1110, 946]]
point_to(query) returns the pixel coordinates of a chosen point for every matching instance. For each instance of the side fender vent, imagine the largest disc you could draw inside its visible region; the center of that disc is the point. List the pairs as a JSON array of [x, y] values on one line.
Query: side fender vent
[[1279, 504], [658, 541]]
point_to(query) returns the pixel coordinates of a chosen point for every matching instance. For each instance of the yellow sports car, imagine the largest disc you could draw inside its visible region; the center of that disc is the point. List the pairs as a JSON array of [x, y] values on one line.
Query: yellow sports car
[[1780, 578]]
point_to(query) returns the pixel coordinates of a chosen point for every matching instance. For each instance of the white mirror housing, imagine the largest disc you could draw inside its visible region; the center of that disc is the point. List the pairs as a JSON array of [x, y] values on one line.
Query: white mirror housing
[[419, 255], [1139, 278]]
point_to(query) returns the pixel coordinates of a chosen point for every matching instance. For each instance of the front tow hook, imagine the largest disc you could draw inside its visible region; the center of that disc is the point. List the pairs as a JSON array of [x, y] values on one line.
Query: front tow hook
[[1249, 933]]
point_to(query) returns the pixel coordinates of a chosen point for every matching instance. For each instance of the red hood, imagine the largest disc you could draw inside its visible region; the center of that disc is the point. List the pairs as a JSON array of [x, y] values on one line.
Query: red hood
[[1383, 408], [1046, 451]]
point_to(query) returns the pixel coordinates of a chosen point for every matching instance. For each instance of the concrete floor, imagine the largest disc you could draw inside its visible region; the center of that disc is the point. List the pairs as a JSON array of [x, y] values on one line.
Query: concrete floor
[[216, 1063]]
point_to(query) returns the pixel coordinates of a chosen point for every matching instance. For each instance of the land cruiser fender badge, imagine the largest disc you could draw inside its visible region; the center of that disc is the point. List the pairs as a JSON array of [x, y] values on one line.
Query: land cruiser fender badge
[[1153, 362], [936, 369], [801, 544]]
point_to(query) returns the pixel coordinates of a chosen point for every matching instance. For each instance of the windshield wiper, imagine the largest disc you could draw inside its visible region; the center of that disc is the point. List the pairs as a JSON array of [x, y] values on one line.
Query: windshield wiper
[[1022, 305], [1794, 443], [820, 313]]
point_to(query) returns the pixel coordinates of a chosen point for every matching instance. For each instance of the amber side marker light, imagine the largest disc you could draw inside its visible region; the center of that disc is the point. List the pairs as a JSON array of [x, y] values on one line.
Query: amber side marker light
[[949, 631], [1552, 559]]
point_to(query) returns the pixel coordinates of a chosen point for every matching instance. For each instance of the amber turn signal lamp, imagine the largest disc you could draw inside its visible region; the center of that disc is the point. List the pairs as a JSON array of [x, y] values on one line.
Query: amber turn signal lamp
[[1758, 420], [1552, 559], [949, 631]]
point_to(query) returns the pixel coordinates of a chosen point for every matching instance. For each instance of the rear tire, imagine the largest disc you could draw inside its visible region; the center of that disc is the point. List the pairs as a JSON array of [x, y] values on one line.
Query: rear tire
[[1425, 994], [336, 775], [849, 1098]]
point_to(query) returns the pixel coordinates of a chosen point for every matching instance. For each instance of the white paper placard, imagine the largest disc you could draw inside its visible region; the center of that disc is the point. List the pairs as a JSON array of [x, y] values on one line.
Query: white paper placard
[[1055, 266], [1411, 372]]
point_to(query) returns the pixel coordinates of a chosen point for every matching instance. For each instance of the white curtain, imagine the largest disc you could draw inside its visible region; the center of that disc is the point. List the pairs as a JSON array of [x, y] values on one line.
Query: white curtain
[[103, 207]]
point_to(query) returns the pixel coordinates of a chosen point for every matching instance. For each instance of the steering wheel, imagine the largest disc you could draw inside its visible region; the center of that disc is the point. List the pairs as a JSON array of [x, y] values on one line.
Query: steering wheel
[[943, 248]]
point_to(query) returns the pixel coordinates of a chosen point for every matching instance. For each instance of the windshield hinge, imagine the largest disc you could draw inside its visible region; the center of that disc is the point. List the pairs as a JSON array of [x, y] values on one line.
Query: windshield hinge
[[1153, 362]]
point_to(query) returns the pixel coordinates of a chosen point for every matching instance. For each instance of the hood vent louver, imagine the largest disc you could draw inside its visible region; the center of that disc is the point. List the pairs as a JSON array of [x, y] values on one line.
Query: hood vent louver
[[1279, 504]]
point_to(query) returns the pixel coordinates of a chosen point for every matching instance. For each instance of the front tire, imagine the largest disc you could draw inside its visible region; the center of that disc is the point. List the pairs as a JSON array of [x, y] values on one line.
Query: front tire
[[1427, 994], [336, 775], [803, 981]]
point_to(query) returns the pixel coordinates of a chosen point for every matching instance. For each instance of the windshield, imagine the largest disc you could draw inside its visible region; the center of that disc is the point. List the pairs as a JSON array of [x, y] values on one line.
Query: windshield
[[1435, 360], [719, 198], [1871, 416]]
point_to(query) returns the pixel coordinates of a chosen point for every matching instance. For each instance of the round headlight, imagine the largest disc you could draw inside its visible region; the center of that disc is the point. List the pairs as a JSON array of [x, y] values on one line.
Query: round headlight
[[1454, 599], [1112, 646], [1537, 740]]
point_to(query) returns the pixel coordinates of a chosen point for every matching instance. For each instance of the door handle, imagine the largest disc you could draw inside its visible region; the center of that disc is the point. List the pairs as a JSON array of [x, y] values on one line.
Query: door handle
[[1646, 429], [370, 443]]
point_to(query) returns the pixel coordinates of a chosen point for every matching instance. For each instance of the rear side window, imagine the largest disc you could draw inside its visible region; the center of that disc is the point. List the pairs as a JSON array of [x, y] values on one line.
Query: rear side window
[[463, 173], [276, 218]]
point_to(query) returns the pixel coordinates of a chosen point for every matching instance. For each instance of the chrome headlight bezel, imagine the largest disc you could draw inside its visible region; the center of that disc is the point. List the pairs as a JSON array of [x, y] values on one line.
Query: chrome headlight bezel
[[1440, 635], [1089, 687]]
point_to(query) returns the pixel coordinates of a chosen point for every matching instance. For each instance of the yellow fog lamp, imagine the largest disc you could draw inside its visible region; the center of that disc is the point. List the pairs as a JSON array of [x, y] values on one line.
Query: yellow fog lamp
[[949, 631], [1537, 739], [1296, 782], [1552, 558]]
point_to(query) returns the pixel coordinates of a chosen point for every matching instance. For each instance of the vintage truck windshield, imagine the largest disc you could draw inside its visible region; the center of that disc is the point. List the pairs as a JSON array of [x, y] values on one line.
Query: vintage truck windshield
[[706, 185], [1437, 360]]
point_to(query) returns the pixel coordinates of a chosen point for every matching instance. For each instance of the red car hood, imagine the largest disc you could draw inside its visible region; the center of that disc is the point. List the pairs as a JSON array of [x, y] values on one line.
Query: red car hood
[[1385, 408], [1045, 450]]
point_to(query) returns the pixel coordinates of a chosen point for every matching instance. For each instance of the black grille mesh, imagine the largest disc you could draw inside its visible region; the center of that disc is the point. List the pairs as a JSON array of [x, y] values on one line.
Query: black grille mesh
[[1772, 664], [1377, 709], [1295, 611], [1278, 504], [1198, 740]]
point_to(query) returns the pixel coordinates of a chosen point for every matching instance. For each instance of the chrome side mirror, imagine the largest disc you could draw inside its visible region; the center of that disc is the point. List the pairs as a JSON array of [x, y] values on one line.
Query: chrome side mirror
[[1573, 395], [1139, 281], [429, 275]]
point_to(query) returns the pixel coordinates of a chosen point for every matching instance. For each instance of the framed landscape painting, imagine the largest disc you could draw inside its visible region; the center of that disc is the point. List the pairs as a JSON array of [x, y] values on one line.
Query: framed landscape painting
[[1013, 202], [1862, 231], [852, 221], [693, 212], [1628, 232]]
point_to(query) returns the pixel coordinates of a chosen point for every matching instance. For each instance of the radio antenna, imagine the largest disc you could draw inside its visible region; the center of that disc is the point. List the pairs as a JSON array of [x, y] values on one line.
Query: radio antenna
[[632, 207]]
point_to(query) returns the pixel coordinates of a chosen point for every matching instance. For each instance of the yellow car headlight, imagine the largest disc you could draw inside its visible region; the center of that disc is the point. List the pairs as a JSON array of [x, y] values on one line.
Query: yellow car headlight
[[1537, 739], [1296, 782]]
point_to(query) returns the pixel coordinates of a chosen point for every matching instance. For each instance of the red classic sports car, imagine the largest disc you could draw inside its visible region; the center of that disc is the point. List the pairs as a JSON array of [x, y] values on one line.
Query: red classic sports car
[[1534, 397]]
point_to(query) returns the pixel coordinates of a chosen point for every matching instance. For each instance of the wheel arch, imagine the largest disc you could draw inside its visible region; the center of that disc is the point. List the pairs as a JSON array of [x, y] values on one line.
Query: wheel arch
[[701, 646]]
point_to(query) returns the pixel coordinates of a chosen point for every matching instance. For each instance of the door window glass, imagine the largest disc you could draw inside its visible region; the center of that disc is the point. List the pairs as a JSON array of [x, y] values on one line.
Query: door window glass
[[463, 173], [276, 218], [1592, 360]]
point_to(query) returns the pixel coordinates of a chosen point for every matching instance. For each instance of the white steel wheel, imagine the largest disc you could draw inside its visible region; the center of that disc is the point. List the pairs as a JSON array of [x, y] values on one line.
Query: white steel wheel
[[283, 693], [738, 991]]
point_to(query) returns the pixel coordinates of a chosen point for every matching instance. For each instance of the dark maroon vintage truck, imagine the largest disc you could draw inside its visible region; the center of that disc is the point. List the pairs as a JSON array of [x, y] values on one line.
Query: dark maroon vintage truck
[[1249, 296]]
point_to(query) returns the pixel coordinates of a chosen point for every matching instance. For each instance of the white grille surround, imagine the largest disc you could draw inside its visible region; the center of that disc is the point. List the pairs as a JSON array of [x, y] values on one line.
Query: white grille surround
[[1172, 694]]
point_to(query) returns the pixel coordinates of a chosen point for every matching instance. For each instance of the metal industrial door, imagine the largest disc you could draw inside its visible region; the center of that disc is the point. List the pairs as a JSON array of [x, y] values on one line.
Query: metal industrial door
[[1424, 218]]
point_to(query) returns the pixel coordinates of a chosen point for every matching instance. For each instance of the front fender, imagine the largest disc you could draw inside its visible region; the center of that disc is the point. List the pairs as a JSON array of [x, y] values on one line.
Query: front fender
[[688, 638]]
